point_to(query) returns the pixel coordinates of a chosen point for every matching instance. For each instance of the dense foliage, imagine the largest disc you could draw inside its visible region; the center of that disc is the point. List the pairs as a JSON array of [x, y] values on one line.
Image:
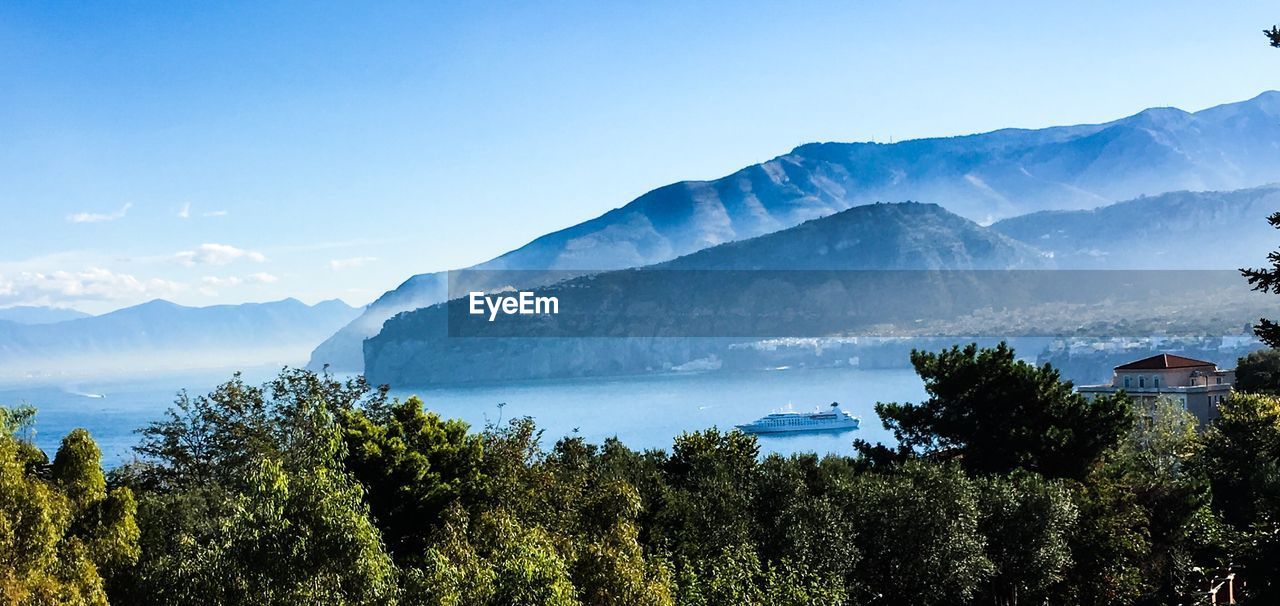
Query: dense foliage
[[1259, 372], [62, 533], [313, 490], [994, 414]]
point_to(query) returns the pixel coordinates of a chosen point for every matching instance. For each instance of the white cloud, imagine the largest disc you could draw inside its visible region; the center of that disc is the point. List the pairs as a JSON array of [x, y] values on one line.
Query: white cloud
[[210, 283], [100, 217], [221, 281], [92, 284], [218, 254], [350, 263], [185, 213]]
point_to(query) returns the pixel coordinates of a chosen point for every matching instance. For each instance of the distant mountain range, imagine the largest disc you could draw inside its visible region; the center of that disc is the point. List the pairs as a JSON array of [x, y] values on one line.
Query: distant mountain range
[[164, 335], [1181, 230], [983, 177], [671, 315], [23, 314]]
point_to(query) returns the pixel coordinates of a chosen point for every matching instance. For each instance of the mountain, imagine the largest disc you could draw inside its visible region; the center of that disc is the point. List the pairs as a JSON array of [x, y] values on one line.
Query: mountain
[[415, 348], [1179, 230], [906, 235], [983, 177], [160, 334], [39, 315]]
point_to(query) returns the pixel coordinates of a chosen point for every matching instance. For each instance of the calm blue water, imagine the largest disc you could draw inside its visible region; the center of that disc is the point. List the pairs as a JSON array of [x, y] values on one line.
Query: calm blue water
[[644, 412]]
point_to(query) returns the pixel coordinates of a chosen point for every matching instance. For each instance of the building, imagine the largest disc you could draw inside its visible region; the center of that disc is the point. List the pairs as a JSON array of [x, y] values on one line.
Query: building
[[1201, 386]]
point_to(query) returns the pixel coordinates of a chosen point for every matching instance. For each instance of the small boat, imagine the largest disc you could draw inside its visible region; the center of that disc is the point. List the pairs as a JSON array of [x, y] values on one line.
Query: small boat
[[832, 419]]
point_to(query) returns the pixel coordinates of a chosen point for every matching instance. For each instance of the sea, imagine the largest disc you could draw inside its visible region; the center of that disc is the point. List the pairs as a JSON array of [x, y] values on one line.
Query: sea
[[642, 411]]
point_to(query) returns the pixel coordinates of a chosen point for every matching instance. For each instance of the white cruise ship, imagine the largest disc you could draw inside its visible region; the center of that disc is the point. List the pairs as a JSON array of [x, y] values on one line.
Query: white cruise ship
[[831, 419]]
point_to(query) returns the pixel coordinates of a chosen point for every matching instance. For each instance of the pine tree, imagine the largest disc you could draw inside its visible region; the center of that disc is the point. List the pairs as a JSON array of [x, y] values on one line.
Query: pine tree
[[1267, 279], [1273, 34]]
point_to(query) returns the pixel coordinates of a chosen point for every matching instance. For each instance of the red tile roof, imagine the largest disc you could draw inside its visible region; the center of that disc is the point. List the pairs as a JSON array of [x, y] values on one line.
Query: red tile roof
[[1165, 362]]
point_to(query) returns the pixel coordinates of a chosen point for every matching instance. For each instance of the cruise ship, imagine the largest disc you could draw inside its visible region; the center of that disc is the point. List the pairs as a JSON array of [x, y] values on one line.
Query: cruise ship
[[832, 419]]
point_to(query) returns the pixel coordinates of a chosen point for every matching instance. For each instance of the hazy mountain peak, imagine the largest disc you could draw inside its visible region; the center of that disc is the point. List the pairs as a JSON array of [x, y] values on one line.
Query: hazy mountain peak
[[904, 235], [27, 314], [1179, 230], [163, 334]]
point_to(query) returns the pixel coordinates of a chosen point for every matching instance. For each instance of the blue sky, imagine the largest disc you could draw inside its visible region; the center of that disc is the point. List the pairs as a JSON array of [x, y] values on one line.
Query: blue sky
[[223, 152]]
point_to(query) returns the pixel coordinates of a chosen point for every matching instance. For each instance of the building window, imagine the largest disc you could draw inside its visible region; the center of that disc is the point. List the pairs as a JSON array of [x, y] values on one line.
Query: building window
[[1142, 381], [1126, 381], [1155, 382], [1219, 380]]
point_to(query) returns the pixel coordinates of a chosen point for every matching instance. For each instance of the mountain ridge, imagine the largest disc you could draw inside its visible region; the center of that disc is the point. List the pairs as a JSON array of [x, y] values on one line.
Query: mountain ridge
[[163, 334], [36, 314], [983, 176], [1183, 230]]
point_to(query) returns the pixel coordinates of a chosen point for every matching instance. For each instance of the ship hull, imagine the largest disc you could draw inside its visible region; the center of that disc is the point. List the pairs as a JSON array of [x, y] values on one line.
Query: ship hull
[[818, 429]]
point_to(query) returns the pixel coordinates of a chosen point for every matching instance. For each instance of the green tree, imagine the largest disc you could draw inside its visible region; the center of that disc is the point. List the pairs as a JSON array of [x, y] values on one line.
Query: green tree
[[803, 520], [61, 531], [1273, 35], [1241, 458], [1027, 522], [1259, 372], [231, 430], [994, 414], [609, 566], [413, 465], [1110, 543], [285, 537], [917, 526], [1267, 280], [790, 584], [706, 506], [452, 573], [1156, 459], [732, 578], [528, 571], [272, 516]]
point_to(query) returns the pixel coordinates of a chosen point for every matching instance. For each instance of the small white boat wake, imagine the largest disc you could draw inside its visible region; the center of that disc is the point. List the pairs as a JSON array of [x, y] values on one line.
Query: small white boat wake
[[84, 394]]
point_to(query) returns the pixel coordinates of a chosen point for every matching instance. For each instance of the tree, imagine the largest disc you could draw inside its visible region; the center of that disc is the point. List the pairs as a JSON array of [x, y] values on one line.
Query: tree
[[1027, 522], [1273, 35], [1156, 462], [609, 566], [1110, 542], [413, 465], [917, 527], [994, 414], [528, 571], [231, 430], [1259, 372], [248, 501], [61, 532], [705, 508], [1267, 279], [1241, 458], [801, 521], [791, 584]]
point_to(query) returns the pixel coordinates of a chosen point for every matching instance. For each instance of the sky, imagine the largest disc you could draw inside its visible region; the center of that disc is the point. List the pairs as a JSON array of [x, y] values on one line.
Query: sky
[[224, 152]]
